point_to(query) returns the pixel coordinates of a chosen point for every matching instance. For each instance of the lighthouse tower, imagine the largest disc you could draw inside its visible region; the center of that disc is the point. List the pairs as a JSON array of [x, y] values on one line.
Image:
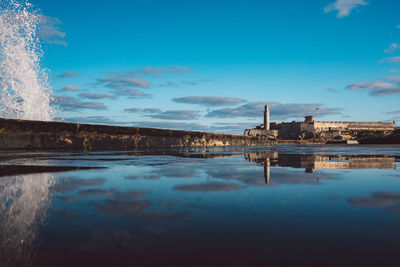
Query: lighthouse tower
[[266, 118]]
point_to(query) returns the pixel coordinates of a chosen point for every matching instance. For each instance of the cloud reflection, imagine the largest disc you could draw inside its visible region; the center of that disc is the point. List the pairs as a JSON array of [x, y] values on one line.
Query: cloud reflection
[[176, 171], [377, 200], [96, 192], [70, 184], [209, 187], [68, 199], [125, 204], [66, 213], [260, 177]]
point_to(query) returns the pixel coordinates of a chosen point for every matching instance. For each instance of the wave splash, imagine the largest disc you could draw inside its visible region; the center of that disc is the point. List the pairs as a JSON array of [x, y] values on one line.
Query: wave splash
[[25, 92]]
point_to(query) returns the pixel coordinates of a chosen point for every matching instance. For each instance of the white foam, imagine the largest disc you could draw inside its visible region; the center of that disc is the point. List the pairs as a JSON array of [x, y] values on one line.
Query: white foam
[[25, 92]]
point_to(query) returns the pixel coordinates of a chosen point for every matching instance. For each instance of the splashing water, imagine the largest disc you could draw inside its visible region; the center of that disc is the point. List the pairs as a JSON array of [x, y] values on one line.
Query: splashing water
[[25, 92]]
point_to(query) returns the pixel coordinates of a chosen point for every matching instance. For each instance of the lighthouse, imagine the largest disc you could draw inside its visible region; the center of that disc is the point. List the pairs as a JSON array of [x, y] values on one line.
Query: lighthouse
[[266, 118]]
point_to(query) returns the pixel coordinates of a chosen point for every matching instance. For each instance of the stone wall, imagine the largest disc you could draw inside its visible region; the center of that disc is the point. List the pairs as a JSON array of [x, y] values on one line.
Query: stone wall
[[308, 127], [270, 134], [289, 130], [320, 126], [19, 134], [324, 129]]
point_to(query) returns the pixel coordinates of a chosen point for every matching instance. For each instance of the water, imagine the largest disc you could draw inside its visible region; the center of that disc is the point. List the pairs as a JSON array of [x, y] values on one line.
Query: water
[[258, 206], [25, 92]]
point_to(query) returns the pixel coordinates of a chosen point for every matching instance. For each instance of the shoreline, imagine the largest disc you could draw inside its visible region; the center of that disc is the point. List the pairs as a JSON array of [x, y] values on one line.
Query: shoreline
[[48, 135]]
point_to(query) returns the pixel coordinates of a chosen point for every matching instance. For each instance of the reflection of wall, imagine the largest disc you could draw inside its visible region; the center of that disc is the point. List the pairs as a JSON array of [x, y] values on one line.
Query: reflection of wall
[[316, 161], [348, 162], [24, 201], [310, 162]]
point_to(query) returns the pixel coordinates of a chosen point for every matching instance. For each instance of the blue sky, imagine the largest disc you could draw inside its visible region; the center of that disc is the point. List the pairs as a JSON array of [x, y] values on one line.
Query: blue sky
[[212, 65]]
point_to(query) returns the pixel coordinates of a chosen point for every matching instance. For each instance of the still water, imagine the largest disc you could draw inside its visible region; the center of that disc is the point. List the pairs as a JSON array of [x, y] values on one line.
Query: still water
[[253, 206]]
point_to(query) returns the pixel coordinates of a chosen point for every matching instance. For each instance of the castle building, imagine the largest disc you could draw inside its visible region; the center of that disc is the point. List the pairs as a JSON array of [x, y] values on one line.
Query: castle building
[[324, 130]]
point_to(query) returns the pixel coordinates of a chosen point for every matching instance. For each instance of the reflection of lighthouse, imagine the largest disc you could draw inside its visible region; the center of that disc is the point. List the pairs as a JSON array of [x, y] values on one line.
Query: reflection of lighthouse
[[24, 201], [267, 174]]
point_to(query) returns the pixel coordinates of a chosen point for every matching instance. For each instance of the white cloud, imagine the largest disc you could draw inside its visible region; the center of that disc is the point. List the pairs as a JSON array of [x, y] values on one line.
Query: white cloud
[[121, 83], [394, 47], [152, 110], [159, 71], [331, 90], [344, 7], [376, 88], [49, 31], [131, 93], [125, 83], [154, 71], [391, 60], [393, 79], [278, 110], [209, 100], [157, 113], [68, 74], [169, 84], [175, 115], [132, 110], [70, 88], [97, 96], [69, 103], [171, 125], [393, 112]]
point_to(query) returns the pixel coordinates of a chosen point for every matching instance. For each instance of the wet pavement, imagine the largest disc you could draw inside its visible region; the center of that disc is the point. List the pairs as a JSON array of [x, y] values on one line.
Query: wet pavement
[[254, 206]]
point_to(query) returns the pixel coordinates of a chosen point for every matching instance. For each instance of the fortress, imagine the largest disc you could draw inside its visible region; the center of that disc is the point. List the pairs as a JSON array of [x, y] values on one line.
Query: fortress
[[320, 130]]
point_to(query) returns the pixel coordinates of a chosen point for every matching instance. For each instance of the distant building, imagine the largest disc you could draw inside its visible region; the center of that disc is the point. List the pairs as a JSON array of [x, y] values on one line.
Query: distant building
[[325, 130]]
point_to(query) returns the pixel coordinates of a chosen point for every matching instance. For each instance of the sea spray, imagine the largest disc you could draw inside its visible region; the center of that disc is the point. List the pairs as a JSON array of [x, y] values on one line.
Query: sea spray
[[25, 92]]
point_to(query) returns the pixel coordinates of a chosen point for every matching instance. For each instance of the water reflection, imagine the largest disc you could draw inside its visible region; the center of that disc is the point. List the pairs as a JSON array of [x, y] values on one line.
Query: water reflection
[[24, 201], [312, 162], [208, 187], [388, 200], [69, 184], [202, 207]]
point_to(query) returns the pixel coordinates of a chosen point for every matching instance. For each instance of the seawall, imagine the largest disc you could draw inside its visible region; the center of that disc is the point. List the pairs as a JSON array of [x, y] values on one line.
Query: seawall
[[42, 135]]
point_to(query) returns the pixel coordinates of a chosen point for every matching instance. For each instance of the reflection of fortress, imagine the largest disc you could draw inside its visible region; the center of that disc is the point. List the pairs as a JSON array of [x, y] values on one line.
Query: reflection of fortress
[[311, 162]]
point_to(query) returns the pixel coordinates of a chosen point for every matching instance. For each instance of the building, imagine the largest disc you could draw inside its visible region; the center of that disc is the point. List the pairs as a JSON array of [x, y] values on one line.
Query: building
[[323, 130]]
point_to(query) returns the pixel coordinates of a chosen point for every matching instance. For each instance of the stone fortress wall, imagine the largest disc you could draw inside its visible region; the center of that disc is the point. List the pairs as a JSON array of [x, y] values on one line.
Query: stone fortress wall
[[311, 129], [320, 126]]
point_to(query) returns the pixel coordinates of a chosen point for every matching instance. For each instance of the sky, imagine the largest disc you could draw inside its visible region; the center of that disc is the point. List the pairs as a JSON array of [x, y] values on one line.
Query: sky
[[212, 65]]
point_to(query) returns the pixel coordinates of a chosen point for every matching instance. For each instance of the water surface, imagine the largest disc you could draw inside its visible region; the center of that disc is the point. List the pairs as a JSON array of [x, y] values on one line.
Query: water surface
[[254, 206]]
